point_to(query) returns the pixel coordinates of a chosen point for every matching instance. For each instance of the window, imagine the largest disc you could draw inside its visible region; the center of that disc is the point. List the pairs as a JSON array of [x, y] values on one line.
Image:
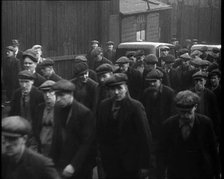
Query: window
[[141, 26]]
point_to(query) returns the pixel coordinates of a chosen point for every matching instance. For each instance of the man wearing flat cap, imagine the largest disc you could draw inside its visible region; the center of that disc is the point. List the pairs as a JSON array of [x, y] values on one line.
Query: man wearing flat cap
[[18, 53], [17, 160], [208, 104], [30, 64], [10, 69], [93, 45], [47, 70], [45, 118], [86, 88], [97, 58], [214, 56], [134, 76], [110, 52], [24, 101], [158, 102], [164, 51], [38, 50], [73, 134], [123, 132], [188, 146]]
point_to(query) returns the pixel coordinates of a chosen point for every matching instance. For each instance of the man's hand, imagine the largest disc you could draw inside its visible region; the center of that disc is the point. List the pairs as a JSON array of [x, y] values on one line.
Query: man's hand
[[68, 171]]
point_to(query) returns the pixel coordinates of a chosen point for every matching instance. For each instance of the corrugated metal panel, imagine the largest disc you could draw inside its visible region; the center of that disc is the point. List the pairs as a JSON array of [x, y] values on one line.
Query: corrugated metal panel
[[128, 29], [153, 32]]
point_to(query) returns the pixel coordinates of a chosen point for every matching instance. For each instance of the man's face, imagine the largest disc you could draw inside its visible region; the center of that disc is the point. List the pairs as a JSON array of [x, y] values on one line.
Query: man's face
[[149, 66], [94, 45], [12, 146], [46, 71], [104, 77], [119, 92], [199, 84], [164, 52], [39, 52], [214, 80], [110, 47], [155, 84], [29, 64], [186, 115], [99, 57], [26, 85], [49, 97], [64, 99], [124, 67], [9, 53]]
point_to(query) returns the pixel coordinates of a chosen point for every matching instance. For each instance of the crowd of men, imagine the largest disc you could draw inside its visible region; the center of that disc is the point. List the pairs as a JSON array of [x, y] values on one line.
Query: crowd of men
[[136, 116]]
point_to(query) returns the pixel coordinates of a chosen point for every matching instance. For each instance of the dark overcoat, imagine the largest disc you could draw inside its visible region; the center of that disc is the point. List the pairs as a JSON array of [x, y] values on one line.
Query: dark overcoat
[[31, 166], [126, 138], [54, 77], [73, 138], [195, 157]]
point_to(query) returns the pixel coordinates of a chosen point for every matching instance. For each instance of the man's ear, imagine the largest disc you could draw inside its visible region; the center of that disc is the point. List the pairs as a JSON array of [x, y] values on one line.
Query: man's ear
[[25, 137]]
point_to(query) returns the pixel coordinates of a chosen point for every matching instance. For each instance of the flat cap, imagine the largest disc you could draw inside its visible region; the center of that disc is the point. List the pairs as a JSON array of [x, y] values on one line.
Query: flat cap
[[139, 53], [188, 40], [63, 86], [186, 100], [25, 74], [154, 74], [80, 69], [47, 85], [47, 62], [94, 42], [196, 53], [164, 47], [96, 51], [130, 54], [15, 42], [185, 56], [215, 50], [80, 58], [123, 60], [174, 39], [15, 126], [199, 75], [151, 59], [37, 47], [204, 49], [169, 59], [215, 72], [104, 68], [32, 54], [110, 43], [198, 62], [11, 48], [116, 79], [195, 40], [183, 51]]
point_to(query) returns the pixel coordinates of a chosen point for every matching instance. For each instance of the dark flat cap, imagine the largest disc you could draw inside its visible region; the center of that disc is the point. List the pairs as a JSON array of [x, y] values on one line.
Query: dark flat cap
[[187, 40], [25, 74], [96, 51], [139, 53], [169, 59], [204, 49], [110, 43], [116, 79], [15, 126], [197, 62], [47, 62], [63, 86], [94, 42], [155, 74], [215, 72], [151, 59], [11, 48], [199, 75], [80, 69], [183, 51], [37, 47], [47, 85], [196, 53], [104, 68], [164, 47], [186, 100], [185, 56], [195, 40], [123, 60], [31, 53], [215, 50], [130, 54], [80, 58], [15, 42]]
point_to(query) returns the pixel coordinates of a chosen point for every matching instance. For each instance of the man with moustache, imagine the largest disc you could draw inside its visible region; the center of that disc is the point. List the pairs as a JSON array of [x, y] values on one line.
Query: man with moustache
[[158, 102], [123, 132], [73, 134], [188, 147]]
